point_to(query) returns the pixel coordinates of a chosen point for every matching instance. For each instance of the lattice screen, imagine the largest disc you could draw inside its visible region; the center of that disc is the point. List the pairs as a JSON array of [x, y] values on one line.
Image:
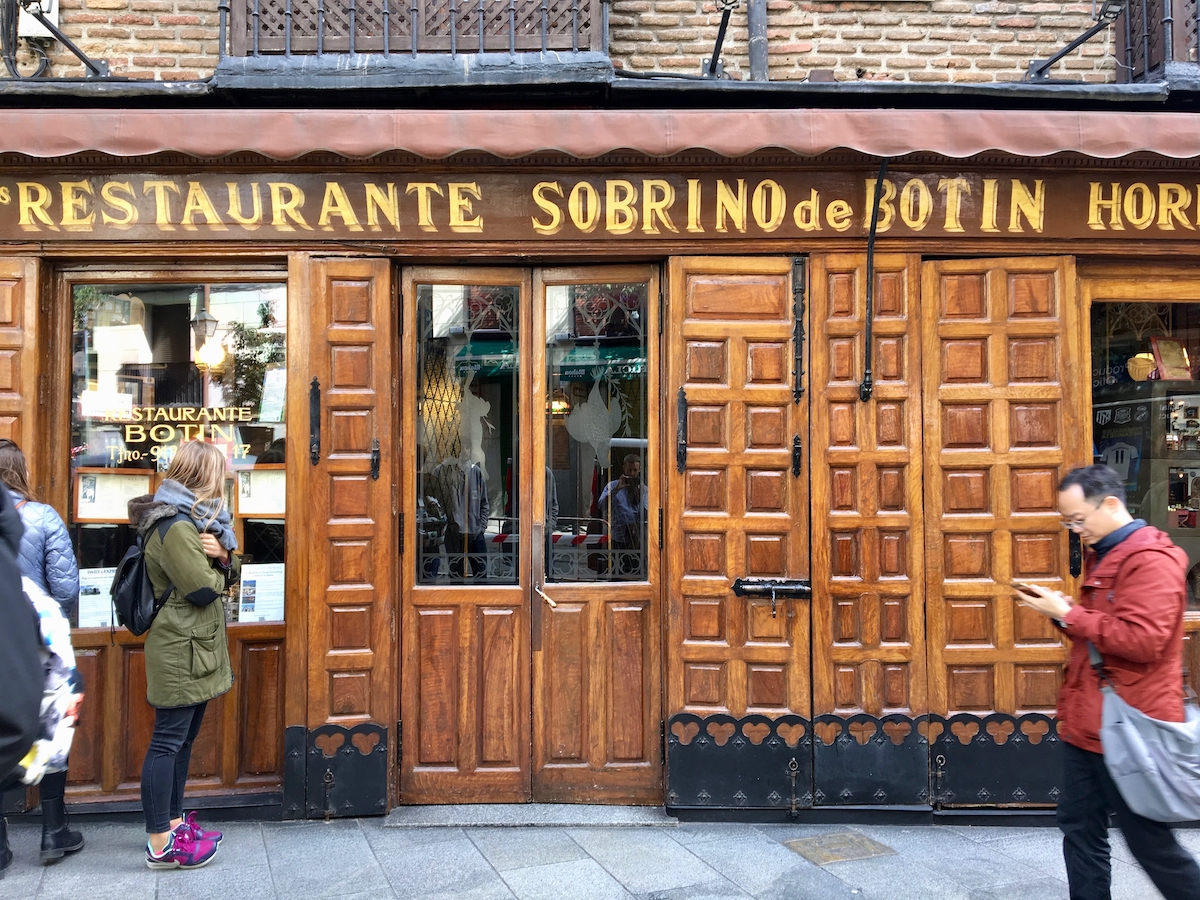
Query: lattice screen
[[520, 25]]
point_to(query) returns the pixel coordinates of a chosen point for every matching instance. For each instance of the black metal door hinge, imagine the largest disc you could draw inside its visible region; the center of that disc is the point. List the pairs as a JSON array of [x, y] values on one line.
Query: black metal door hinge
[[681, 431], [314, 421], [662, 741], [660, 528], [799, 270], [399, 742], [400, 534]]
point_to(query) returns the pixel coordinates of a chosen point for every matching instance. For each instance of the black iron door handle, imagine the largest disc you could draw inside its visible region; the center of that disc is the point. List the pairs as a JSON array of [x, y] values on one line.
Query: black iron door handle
[[681, 432], [314, 421], [797, 456], [1076, 545], [375, 460]]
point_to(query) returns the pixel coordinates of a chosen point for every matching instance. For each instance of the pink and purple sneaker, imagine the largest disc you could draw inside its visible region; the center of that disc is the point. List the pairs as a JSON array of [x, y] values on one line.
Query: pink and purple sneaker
[[198, 831], [183, 851]]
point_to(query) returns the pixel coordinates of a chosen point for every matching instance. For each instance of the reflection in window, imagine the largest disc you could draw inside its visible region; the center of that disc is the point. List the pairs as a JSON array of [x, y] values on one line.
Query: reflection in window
[[154, 365], [596, 377], [1146, 414], [467, 434]]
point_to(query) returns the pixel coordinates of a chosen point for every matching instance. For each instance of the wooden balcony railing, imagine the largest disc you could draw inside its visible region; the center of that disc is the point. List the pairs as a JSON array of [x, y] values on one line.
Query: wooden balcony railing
[[267, 27]]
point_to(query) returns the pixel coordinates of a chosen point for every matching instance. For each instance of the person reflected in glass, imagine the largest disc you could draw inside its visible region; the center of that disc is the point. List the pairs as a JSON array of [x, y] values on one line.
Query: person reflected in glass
[[619, 325], [468, 509], [625, 501]]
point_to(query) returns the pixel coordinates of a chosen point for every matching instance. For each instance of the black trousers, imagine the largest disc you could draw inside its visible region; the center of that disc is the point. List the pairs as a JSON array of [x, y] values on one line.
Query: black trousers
[[1089, 796], [164, 771]]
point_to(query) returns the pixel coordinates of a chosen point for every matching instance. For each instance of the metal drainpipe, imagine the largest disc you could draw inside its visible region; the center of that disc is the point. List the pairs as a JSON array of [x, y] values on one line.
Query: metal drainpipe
[[756, 21]]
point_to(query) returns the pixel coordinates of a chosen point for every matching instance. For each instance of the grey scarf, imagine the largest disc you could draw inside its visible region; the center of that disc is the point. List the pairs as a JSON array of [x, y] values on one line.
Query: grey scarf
[[171, 491]]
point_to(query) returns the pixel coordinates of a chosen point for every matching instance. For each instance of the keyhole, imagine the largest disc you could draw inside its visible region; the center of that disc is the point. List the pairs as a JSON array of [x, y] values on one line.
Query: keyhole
[[772, 603]]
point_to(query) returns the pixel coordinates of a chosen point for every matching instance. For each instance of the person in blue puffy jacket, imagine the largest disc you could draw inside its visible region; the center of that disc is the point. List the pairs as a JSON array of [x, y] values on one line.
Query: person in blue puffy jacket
[[47, 555], [47, 558]]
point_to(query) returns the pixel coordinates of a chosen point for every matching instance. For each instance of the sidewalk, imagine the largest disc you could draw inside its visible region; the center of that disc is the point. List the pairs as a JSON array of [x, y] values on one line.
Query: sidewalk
[[364, 860]]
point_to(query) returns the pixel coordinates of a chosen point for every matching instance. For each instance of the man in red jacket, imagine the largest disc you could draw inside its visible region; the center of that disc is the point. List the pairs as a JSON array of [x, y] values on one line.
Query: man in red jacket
[[1131, 607]]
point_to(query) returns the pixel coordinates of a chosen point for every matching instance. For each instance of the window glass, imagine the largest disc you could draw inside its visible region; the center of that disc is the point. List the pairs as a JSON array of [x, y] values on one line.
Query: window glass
[[157, 364], [468, 452], [596, 380], [1146, 414]]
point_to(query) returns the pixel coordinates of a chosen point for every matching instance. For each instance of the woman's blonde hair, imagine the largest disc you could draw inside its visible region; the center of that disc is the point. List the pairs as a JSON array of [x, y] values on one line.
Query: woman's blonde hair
[[13, 471], [200, 467]]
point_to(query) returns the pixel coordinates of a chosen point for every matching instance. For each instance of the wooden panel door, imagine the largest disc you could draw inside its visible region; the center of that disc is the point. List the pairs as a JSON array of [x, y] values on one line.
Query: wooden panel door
[[868, 613], [21, 391], [736, 509], [350, 486], [1003, 423], [465, 687], [596, 652]]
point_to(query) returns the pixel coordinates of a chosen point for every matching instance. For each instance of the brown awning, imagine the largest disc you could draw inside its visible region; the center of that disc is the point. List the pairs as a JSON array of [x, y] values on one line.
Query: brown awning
[[585, 134]]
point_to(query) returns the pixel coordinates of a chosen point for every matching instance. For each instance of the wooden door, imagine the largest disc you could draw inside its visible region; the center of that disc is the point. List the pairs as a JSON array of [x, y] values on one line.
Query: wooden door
[[348, 474], [868, 634], [596, 650], [736, 509], [465, 630], [1003, 423]]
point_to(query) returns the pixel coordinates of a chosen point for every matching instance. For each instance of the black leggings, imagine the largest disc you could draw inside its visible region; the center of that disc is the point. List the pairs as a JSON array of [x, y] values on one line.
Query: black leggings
[[53, 786], [165, 769]]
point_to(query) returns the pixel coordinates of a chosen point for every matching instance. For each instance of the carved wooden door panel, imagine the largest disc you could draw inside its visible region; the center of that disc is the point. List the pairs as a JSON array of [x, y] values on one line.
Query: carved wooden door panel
[[1003, 423], [868, 610], [349, 480], [465, 689], [19, 364], [735, 508]]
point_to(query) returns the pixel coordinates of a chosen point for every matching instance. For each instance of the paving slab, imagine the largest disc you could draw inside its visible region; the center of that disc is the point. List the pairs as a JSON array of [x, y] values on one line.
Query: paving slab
[[974, 864], [528, 815], [1040, 888], [760, 866], [520, 848], [716, 890], [581, 879], [453, 866], [322, 859], [23, 877], [643, 861], [220, 878], [897, 878]]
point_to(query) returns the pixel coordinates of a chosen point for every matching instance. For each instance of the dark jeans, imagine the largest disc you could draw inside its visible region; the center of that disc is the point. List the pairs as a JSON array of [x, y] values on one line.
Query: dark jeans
[[164, 771], [1088, 797]]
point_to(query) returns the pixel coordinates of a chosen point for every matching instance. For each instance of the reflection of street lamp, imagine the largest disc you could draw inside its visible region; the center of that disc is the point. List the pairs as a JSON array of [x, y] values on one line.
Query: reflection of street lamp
[[210, 354], [559, 405]]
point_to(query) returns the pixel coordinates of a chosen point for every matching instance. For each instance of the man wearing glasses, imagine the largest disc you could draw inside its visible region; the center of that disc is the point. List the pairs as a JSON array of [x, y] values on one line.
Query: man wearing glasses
[[1131, 607]]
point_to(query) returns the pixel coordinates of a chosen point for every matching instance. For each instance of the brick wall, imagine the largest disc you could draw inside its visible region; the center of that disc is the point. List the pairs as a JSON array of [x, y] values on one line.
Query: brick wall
[[931, 41], [900, 40], [165, 40]]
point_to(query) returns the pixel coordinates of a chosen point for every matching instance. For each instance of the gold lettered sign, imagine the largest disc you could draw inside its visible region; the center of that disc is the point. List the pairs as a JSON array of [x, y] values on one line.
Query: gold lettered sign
[[596, 207]]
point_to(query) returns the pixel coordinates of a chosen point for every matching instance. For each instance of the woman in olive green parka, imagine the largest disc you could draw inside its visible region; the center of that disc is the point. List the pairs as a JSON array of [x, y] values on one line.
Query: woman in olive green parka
[[188, 544]]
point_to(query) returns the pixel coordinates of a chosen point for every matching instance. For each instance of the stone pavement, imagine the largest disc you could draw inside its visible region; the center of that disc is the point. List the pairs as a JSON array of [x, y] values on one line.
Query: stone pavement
[[364, 860]]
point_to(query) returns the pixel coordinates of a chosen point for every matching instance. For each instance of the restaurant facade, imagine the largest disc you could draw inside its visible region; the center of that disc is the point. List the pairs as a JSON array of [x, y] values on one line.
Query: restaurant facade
[[659, 457]]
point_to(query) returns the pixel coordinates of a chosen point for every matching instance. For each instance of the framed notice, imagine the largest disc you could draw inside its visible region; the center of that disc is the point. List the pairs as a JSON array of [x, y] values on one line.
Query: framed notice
[[262, 491], [103, 496], [274, 395], [1171, 358], [95, 601], [260, 597]]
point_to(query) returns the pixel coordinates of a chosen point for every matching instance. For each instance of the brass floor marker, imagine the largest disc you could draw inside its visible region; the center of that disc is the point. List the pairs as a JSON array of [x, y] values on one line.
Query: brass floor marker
[[839, 847]]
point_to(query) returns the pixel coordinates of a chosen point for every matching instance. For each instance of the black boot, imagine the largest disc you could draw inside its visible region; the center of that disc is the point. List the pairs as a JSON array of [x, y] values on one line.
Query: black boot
[[5, 850], [57, 839]]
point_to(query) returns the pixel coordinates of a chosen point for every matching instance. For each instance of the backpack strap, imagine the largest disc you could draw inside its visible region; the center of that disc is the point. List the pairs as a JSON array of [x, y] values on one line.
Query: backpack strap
[[163, 526]]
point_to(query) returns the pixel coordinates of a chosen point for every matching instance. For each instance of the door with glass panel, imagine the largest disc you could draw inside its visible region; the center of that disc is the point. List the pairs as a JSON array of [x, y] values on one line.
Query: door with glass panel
[[530, 572]]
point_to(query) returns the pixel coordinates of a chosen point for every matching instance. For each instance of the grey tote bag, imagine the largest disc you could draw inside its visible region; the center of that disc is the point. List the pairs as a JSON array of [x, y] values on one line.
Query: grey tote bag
[[1155, 764]]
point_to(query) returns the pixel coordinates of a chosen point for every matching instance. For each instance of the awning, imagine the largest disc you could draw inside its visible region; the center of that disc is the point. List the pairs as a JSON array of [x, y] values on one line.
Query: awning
[[586, 134]]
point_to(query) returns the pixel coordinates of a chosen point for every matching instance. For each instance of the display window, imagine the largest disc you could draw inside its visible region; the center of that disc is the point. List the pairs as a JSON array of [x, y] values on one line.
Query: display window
[[1146, 414], [153, 365]]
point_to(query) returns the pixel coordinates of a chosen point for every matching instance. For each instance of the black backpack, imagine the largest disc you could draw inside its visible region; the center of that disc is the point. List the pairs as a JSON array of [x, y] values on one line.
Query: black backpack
[[132, 594]]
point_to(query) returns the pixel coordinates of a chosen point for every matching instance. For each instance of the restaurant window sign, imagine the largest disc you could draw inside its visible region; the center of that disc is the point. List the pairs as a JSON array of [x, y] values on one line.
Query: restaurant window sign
[[154, 365]]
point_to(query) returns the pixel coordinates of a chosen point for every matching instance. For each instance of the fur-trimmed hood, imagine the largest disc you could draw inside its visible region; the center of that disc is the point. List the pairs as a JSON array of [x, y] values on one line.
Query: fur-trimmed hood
[[145, 512]]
